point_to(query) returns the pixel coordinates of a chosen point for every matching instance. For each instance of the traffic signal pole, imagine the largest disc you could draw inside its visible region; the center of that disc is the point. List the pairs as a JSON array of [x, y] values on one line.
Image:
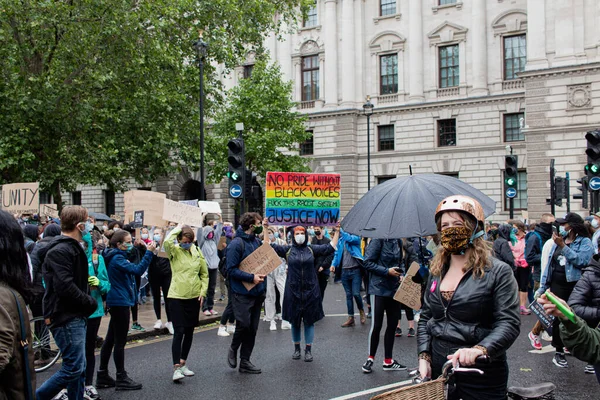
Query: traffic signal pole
[[240, 130], [568, 191], [552, 188]]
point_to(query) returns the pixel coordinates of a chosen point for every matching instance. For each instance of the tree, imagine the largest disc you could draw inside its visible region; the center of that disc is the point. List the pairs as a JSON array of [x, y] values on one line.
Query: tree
[[272, 130], [97, 92]]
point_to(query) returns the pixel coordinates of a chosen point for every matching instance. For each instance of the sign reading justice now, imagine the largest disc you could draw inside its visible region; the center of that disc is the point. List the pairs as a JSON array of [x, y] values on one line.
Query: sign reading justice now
[[303, 199]]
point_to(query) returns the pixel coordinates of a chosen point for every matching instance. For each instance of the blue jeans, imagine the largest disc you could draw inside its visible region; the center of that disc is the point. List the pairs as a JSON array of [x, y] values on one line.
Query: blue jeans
[[309, 334], [351, 279], [70, 339]]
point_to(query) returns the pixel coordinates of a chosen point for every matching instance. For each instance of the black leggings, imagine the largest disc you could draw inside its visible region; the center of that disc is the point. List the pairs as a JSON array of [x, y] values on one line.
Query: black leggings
[[182, 343], [209, 303], [116, 337], [90, 346], [522, 275], [134, 308], [391, 307], [410, 314], [158, 281], [228, 316]]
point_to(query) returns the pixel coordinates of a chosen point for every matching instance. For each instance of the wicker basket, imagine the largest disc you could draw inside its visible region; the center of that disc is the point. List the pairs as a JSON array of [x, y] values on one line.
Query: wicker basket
[[432, 390]]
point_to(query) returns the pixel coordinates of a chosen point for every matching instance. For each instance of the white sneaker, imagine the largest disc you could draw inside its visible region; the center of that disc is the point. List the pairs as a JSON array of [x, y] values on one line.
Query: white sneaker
[[546, 337], [278, 317], [62, 395], [273, 326], [186, 371], [231, 328], [285, 325], [222, 331], [169, 326], [91, 392], [178, 375], [158, 325], [213, 312]]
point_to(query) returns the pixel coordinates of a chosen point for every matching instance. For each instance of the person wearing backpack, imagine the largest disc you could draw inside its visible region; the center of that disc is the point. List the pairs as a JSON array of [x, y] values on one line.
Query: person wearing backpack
[[302, 296]]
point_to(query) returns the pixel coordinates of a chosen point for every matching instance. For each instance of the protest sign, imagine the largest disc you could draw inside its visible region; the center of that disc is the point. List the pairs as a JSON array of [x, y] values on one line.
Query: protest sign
[[21, 198], [182, 213], [262, 261], [546, 320], [49, 210], [303, 199], [210, 207], [193, 203], [222, 243], [138, 219], [409, 292], [151, 203]]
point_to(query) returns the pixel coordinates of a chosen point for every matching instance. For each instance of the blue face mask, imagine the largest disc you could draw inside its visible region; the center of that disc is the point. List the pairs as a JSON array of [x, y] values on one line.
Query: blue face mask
[[277, 235], [515, 230], [157, 238], [128, 247], [185, 246], [88, 227], [563, 232]]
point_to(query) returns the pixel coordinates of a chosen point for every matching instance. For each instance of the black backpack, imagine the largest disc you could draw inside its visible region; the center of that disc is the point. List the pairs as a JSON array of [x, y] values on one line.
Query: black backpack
[[223, 261]]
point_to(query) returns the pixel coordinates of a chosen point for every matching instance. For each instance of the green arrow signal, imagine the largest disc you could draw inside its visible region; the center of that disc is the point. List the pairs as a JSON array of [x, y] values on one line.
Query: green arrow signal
[[510, 182], [235, 176]]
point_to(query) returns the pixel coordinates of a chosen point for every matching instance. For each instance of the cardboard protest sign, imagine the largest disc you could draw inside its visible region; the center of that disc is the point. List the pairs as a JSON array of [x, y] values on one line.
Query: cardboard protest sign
[[193, 203], [262, 261], [182, 213], [143, 200], [222, 243], [303, 199], [210, 207], [409, 292], [545, 319], [21, 198], [49, 210], [138, 219]]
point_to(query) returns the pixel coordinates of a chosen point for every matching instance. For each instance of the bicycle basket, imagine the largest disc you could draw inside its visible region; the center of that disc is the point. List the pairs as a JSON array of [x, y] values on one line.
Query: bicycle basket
[[432, 390]]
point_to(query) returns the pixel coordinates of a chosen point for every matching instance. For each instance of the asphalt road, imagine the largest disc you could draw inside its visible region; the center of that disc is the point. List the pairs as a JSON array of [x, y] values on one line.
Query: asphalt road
[[336, 370]]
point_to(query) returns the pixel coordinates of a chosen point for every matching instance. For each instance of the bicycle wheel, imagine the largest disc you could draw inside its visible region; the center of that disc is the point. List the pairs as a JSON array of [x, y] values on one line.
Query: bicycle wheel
[[45, 350]]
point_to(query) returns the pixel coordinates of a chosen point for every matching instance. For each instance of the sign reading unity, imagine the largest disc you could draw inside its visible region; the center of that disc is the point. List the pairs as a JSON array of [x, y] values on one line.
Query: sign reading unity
[[303, 199], [21, 198], [261, 261]]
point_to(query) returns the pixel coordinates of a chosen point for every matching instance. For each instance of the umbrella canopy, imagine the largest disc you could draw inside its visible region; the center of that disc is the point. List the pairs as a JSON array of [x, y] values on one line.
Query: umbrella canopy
[[100, 216], [405, 207]]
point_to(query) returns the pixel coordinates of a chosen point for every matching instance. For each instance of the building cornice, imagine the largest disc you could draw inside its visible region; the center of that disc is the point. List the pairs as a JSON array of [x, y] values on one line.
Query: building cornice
[[582, 69]]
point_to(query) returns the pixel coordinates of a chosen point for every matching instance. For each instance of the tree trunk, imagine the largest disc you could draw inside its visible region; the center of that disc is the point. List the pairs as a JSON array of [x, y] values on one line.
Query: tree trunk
[[56, 195]]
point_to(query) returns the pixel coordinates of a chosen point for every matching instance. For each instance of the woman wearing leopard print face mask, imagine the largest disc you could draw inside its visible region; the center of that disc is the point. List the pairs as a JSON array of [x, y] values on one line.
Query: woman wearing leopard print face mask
[[471, 304]]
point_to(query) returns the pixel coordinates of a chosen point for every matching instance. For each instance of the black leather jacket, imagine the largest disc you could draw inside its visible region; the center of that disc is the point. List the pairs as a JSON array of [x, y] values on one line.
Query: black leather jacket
[[483, 311], [381, 255]]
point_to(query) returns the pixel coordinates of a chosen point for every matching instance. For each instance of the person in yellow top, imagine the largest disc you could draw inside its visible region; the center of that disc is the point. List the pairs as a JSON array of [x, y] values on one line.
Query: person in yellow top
[[189, 284]]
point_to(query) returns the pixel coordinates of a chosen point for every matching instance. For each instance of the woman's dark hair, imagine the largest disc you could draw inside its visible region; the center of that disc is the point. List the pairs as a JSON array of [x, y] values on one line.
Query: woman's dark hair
[[118, 237], [51, 230], [249, 219], [14, 266], [579, 229], [31, 232], [112, 225], [187, 232]]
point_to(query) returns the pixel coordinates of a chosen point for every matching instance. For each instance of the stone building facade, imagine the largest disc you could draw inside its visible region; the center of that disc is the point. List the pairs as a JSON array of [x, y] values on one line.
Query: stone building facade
[[453, 84]]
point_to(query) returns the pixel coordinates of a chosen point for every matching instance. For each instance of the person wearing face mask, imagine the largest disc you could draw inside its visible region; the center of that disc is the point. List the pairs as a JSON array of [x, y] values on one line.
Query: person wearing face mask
[[571, 252], [67, 302], [596, 225], [322, 263], [159, 275], [463, 274], [121, 296], [276, 279], [145, 235], [522, 270], [302, 297], [501, 246], [208, 238], [188, 289]]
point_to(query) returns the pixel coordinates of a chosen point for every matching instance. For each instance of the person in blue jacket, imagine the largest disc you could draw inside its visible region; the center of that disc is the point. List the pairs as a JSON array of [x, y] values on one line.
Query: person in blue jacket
[[302, 294], [121, 296], [349, 258], [571, 252]]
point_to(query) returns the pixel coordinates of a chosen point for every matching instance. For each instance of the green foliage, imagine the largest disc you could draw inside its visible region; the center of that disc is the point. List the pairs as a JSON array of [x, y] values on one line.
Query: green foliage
[[98, 91], [271, 129]]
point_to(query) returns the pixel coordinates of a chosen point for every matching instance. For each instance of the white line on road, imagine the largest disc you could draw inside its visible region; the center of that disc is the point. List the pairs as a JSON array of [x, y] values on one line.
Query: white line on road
[[546, 349], [374, 390]]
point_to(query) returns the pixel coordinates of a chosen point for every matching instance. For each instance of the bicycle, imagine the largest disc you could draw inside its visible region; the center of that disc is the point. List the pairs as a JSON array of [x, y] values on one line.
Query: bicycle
[[437, 389], [45, 351]]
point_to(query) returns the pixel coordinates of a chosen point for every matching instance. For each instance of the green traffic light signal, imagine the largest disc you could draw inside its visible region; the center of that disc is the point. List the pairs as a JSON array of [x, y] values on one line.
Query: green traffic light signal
[[234, 176], [510, 182]]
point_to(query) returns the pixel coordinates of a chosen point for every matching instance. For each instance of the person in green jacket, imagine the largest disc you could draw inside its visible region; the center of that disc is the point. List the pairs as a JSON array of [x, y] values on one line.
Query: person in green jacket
[[582, 341], [99, 286], [189, 284]]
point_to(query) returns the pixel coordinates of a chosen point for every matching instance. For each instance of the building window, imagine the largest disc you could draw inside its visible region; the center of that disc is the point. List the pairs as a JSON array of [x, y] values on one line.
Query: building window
[[447, 132], [450, 174], [520, 202], [45, 198], [381, 179], [387, 7], [307, 148], [515, 56], [444, 2], [248, 71], [512, 127], [386, 137], [148, 189], [109, 202], [311, 17], [449, 70], [310, 78], [389, 74], [76, 198]]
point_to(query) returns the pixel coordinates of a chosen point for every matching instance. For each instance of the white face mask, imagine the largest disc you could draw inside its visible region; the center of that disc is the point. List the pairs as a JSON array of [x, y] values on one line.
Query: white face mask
[[300, 239], [595, 223], [272, 237]]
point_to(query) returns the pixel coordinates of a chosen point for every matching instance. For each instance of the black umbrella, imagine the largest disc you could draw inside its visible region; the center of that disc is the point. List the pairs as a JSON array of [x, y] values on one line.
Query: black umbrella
[[100, 216], [405, 207]]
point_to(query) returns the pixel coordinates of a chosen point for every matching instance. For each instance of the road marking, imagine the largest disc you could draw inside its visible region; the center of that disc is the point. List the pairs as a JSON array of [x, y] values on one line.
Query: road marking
[[546, 349], [374, 390]]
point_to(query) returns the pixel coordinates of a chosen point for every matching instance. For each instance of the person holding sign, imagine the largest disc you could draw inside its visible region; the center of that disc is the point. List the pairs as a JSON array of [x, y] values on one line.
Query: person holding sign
[[471, 304], [302, 296], [189, 284]]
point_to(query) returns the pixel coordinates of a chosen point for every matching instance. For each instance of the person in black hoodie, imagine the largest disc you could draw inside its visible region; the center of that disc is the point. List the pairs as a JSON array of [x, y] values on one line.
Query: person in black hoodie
[[501, 246], [51, 231], [322, 262], [67, 302]]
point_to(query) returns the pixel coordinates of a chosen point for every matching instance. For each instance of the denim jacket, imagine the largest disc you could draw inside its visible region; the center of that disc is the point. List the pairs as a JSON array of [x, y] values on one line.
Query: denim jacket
[[353, 243], [578, 255]]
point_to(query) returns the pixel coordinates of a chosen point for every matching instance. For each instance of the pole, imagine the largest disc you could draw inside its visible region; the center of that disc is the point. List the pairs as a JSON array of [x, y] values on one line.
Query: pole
[[568, 191], [368, 152], [201, 47], [552, 189], [243, 199]]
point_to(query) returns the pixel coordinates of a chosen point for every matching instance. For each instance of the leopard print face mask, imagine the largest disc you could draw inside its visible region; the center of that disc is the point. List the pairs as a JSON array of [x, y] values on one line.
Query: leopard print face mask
[[455, 240]]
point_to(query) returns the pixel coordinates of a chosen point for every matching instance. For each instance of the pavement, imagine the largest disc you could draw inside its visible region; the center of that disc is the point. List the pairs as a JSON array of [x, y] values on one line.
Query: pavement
[[334, 374]]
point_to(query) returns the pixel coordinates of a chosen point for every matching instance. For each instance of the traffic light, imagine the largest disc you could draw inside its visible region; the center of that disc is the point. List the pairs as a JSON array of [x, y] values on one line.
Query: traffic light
[[560, 188], [593, 153], [236, 167], [511, 171], [584, 196], [248, 184]]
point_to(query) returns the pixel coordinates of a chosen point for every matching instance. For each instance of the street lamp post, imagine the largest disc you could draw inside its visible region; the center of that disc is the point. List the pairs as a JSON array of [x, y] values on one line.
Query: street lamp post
[[368, 111], [201, 48]]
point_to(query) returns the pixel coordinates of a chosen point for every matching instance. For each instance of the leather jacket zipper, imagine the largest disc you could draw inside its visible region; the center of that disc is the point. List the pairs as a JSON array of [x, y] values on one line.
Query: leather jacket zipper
[[450, 302]]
